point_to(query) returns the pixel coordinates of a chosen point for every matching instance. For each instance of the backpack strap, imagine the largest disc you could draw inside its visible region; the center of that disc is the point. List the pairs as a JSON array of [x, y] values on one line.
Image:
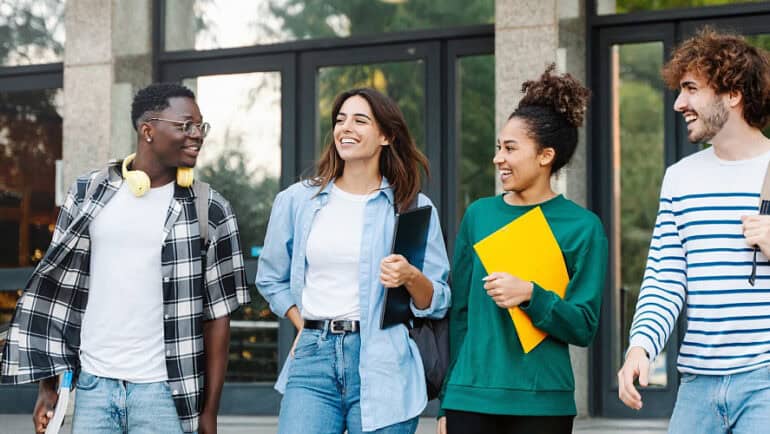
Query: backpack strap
[[202, 191]]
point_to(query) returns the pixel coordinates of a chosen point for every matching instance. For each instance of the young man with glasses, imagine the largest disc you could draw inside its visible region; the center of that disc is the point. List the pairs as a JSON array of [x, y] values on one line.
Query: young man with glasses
[[134, 293]]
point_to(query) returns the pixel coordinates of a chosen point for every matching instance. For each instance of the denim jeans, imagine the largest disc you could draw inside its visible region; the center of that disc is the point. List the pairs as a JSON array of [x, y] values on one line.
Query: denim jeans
[[322, 393], [108, 406], [729, 404]]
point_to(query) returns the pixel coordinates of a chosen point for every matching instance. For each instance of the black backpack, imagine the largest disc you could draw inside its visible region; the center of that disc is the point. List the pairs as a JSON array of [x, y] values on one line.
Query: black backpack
[[432, 339]]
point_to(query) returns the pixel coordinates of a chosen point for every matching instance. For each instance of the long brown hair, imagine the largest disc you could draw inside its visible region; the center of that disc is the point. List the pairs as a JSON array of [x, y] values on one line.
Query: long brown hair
[[400, 162]]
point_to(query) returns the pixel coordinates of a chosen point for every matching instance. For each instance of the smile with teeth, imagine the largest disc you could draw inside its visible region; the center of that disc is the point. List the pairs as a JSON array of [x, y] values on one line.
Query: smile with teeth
[[505, 174], [347, 141], [690, 117]]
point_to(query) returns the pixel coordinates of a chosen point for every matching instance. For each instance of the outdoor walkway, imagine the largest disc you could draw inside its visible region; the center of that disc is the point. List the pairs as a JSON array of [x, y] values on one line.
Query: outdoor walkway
[[21, 424]]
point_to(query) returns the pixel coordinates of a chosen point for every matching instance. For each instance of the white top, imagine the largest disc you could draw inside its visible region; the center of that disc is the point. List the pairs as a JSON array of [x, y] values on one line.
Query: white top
[[333, 256], [122, 331], [699, 256]]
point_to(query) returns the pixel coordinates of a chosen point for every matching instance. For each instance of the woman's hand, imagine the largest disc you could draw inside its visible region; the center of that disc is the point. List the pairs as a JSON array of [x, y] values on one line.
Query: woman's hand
[[441, 426], [507, 291], [395, 271]]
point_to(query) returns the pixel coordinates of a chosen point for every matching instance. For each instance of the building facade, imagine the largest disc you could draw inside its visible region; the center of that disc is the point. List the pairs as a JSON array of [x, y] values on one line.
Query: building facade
[[265, 76]]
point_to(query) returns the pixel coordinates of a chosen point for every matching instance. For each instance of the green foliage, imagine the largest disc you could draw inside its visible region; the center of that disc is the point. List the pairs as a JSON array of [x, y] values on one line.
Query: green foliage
[[321, 18], [625, 6], [641, 162], [249, 192], [477, 130], [27, 31]]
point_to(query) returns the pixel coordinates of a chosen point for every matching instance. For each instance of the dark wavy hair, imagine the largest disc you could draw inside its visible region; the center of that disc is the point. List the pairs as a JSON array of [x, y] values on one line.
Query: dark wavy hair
[[729, 64], [400, 162], [553, 109], [154, 98]]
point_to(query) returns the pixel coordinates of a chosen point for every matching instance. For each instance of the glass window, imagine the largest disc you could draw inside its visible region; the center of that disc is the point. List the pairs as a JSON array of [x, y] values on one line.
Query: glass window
[[475, 130], [241, 159], [30, 143], [761, 41], [637, 148], [402, 81], [605, 7], [210, 24], [31, 32]]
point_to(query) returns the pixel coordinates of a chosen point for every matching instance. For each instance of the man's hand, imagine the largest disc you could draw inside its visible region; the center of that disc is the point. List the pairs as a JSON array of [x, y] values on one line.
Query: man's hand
[[637, 365], [441, 426], [507, 291], [207, 423], [756, 229], [46, 403]]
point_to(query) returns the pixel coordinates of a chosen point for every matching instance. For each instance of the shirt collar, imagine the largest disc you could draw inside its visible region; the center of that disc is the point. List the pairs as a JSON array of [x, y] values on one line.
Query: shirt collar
[[384, 189]]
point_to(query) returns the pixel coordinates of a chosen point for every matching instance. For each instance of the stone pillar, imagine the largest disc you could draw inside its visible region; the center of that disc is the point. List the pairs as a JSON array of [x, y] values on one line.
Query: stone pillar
[[107, 58], [529, 35]]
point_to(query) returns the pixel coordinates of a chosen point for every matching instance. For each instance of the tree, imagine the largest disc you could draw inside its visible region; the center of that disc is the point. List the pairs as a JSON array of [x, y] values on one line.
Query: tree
[[30, 130]]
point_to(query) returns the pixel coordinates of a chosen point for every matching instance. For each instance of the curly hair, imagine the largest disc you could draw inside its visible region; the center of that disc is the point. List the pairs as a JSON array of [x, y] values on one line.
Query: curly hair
[[729, 64], [553, 108], [155, 98]]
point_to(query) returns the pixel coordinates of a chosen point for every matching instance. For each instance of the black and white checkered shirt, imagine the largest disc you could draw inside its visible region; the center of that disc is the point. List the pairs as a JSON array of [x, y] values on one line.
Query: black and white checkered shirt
[[44, 336]]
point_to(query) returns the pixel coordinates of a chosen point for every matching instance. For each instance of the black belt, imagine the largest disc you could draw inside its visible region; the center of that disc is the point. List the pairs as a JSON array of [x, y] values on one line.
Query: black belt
[[337, 326]]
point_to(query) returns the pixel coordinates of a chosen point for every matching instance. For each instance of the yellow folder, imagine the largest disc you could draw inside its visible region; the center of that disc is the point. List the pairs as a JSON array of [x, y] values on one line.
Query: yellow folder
[[526, 248]]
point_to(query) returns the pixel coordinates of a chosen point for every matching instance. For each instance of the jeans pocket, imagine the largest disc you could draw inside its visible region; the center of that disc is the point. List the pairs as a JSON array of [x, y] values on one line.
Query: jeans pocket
[[687, 378], [307, 345], [87, 381]]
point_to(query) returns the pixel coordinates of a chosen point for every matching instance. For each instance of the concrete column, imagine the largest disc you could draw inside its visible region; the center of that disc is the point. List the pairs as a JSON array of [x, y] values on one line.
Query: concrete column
[[529, 35], [107, 58]]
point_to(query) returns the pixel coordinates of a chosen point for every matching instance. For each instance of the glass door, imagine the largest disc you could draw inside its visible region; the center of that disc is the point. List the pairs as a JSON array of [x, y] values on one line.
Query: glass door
[[636, 135], [247, 157], [634, 132]]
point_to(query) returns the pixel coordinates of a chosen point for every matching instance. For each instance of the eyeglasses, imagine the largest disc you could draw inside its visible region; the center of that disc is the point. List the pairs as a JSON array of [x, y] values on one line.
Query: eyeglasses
[[188, 127]]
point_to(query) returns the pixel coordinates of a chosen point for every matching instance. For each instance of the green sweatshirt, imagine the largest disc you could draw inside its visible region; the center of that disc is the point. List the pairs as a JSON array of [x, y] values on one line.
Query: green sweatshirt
[[489, 372]]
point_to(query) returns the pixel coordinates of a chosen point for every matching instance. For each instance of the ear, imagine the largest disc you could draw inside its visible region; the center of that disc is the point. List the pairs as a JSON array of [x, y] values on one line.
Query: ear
[[385, 141], [145, 132], [734, 98], [546, 156]]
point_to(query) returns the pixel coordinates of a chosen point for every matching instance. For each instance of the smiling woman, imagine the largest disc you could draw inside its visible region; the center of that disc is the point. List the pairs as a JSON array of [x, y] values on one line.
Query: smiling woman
[[538, 139], [369, 169]]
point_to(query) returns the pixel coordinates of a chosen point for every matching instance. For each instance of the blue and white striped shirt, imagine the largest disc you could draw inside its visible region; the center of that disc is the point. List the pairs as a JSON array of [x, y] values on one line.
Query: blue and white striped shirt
[[699, 258]]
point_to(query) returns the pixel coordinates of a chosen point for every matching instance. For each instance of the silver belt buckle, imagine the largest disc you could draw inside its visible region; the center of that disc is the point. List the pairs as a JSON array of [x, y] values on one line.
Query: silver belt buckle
[[337, 327]]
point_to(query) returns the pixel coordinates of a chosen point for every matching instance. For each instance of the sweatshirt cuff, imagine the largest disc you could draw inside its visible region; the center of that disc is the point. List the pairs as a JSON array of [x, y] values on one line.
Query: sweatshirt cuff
[[539, 307]]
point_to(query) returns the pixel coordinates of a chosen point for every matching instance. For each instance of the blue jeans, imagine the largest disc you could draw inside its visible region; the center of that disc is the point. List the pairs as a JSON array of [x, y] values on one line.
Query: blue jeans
[[729, 404], [323, 389], [107, 406]]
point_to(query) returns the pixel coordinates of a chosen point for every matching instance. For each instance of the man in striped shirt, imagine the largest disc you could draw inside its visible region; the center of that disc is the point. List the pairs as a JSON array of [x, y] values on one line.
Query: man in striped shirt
[[702, 248]]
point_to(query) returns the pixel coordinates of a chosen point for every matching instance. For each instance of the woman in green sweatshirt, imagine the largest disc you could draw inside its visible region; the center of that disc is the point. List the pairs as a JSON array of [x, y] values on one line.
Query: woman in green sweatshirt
[[493, 386]]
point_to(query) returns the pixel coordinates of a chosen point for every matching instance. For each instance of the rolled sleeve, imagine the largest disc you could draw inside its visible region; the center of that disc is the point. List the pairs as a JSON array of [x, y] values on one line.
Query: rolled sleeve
[[435, 268], [274, 270]]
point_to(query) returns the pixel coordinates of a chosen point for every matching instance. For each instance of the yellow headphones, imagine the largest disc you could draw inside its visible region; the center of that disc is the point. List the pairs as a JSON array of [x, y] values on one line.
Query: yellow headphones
[[139, 182]]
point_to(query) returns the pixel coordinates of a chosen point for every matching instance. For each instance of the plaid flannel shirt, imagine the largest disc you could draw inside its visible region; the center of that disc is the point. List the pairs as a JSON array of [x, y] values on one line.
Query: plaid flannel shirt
[[44, 336]]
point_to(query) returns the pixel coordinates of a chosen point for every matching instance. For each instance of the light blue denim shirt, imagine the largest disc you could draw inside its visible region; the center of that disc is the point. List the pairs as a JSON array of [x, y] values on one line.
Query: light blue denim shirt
[[392, 378]]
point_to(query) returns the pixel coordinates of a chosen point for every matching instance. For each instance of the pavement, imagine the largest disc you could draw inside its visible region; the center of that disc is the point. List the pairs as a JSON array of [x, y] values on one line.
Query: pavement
[[22, 424]]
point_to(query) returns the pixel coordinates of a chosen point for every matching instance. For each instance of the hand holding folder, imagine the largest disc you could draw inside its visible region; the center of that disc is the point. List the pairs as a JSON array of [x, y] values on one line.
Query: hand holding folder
[[526, 248]]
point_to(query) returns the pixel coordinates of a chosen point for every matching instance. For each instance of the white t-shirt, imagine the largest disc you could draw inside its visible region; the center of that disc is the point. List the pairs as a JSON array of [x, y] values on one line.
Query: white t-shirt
[[333, 258], [122, 330]]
